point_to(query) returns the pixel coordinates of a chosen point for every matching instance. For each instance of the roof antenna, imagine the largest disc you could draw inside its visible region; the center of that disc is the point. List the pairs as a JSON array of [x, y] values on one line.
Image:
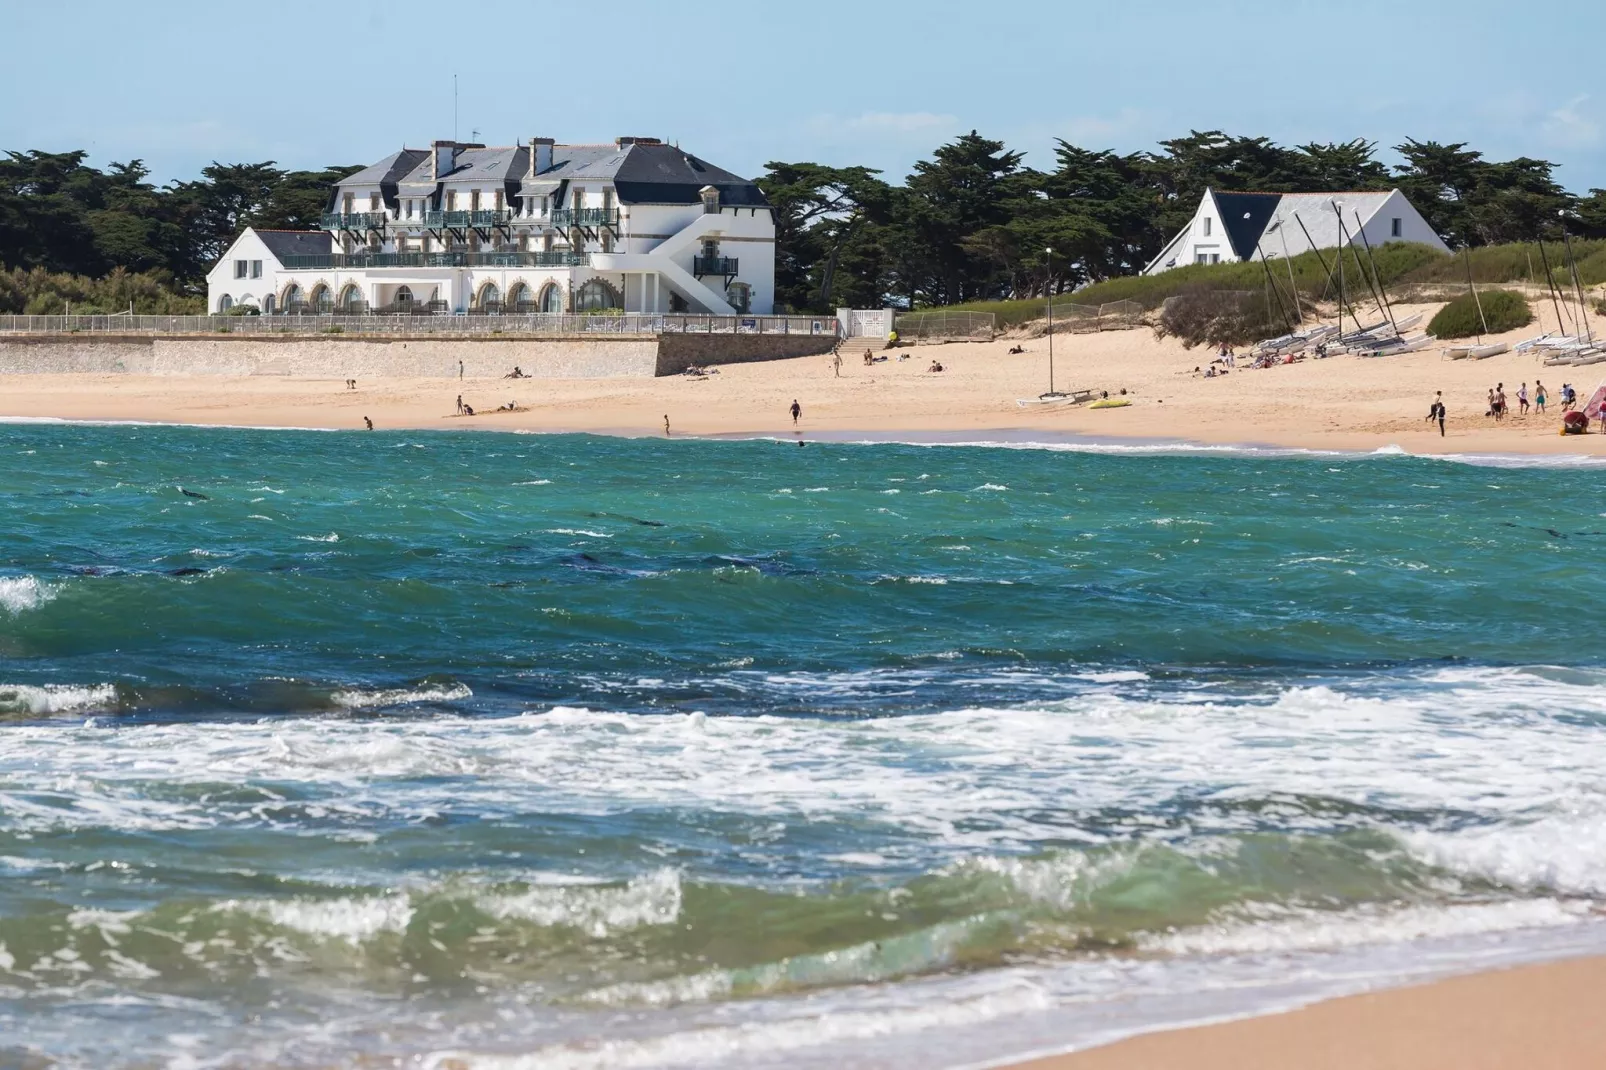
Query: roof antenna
[[454, 107]]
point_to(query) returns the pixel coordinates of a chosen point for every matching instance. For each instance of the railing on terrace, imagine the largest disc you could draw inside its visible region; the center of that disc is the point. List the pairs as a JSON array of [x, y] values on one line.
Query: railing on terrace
[[585, 217], [403, 324], [481, 220], [454, 258], [358, 221], [714, 265]]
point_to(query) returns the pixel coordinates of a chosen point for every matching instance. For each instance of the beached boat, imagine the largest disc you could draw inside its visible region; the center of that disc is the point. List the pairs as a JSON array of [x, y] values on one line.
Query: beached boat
[[1398, 345], [1494, 349]]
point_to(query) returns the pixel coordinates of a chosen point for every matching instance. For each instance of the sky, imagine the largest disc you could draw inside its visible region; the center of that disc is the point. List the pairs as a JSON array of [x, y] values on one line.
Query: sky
[[181, 83]]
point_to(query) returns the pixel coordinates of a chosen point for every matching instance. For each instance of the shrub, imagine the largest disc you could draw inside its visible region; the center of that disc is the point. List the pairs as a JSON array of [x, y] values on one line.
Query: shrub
[[1203, 316], [1504, 310], [334, 329]]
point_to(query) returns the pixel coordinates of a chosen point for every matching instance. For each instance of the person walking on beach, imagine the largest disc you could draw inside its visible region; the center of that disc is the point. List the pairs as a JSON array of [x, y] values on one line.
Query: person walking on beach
[[460, 371], [460, 404], [1436, 410], [1499, 402], [1522, 400], [836, 362], [1539, 397], [666, 425], [797, 411]]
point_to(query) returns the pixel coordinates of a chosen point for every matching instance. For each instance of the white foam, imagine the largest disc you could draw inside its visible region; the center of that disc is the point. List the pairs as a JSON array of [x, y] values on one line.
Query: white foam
[[579, 531], [653, 899], [1279, 930], [352, 919], [331, 537], [18, 594], [361, 700], [55, 698]]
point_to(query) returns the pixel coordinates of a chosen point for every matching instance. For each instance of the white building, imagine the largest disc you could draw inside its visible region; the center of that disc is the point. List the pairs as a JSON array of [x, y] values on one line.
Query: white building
[[1233, 227], [636, 225]]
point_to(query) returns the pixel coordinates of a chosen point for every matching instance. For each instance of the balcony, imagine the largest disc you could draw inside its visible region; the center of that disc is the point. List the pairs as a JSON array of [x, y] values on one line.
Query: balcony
[[354, 221], [714, 265], [454, 258], [587, 218], [480, 220]]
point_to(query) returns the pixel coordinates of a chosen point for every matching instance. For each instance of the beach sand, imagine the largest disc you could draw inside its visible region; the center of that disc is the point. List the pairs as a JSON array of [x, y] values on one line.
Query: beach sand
[[1546, 1017], [1341, 403]]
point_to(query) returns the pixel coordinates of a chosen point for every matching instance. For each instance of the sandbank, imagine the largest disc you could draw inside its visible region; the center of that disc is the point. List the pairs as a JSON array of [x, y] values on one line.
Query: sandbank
[[1339, 403], [1544, 1017]]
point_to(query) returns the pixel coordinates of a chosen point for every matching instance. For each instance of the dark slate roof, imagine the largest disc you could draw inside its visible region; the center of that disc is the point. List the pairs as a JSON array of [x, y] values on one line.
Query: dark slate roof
[[1245, 216], [390, 170], [640, 173], [283, 243]]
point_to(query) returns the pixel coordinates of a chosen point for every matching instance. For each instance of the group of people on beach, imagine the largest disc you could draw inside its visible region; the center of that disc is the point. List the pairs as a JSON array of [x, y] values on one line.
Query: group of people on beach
[[1500, 406]]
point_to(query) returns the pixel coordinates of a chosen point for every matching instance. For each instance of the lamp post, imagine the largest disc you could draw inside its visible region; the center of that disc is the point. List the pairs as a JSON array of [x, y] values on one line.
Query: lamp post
[[1048, 287]]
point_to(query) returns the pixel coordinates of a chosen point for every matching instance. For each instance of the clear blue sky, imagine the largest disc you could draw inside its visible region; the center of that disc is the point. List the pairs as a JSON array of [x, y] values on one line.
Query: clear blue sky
[[180, 83]]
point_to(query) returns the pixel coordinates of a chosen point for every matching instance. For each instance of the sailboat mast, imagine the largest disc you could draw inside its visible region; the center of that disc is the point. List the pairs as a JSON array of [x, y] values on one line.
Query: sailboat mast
[[1387, 308], [1550, 283], [1578, 286], [1293, 288], [1323, 261], [1345, 239], [1467, 249]]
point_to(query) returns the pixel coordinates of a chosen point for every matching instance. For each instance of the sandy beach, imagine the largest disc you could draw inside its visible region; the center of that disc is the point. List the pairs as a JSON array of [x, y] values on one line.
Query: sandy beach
[[1341, 403], [1544, 1017]]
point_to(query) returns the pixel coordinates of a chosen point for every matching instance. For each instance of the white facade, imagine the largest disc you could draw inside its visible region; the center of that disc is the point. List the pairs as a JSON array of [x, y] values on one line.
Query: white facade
[[543, 227], [1233, 227]]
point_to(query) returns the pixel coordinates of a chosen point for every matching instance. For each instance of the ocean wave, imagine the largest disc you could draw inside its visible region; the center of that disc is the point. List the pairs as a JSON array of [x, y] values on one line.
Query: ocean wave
[[653, 899], [18, 594], [403, 696], [352, 919], [46, 699]]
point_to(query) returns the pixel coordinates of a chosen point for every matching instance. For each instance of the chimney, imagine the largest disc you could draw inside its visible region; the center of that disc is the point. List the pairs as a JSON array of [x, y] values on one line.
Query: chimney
[[443, 157], [540, 155]]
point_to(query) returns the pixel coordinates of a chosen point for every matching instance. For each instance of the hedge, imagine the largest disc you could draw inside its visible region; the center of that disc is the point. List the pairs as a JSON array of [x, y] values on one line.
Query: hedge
[[1504, 310]]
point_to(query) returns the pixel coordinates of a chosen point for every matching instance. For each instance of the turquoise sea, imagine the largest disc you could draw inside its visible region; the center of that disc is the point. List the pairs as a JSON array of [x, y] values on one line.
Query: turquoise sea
[[479, 750]]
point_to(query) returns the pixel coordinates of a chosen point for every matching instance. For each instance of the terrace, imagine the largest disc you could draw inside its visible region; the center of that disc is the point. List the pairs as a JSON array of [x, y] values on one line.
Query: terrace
[[449, 259]]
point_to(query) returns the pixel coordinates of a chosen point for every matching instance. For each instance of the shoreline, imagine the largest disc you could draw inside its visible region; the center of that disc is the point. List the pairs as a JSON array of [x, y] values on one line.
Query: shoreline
[[1540, 1016], [1003, 437]]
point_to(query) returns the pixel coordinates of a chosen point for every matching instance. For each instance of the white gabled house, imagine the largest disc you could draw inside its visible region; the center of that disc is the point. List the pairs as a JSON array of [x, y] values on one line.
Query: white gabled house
[[636, 225], [1233, 227]]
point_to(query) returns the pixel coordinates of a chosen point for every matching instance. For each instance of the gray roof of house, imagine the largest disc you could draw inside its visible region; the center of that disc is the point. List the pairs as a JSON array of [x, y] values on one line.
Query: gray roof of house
[[283, 243], [640, 173]]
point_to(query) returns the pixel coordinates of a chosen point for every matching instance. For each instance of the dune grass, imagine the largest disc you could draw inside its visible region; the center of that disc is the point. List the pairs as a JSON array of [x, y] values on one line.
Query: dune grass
[[1398, 264]]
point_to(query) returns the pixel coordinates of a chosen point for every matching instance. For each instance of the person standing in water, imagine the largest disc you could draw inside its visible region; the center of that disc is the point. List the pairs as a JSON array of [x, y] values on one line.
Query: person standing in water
[[369, 422], [797, 411], [1436, 410]]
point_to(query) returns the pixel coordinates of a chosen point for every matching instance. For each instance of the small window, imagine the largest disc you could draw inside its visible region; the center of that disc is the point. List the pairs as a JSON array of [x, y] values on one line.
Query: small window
[[1215, 258], [1207, 226], [474, 201], [1396, 227], [1201, 258], [544, 206], [239, 269], [451, 200], [373, 202], [256, 269], [497, 202]]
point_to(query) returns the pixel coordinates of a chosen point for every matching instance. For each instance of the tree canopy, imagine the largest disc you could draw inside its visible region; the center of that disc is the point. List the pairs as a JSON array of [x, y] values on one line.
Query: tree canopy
[[972, 222]]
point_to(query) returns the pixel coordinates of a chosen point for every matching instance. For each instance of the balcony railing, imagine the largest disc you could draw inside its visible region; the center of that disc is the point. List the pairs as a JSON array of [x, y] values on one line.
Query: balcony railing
[[481, 220], [586, 217], [714, 265], [454, 258], [358, 221]]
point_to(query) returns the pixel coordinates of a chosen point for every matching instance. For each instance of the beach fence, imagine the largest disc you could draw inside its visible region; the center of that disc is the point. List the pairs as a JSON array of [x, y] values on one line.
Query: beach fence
[[940, 326], [1110, 316], [536, 324]]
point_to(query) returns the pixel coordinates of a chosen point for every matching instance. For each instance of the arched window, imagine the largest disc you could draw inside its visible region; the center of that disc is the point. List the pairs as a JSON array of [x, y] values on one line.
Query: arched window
[[404, 298], [740, 296], [351, 301], [323, 300], [596, 295], [520, 299], [267, 304], [225, 303], [490, 299], [295, 302], [552, 299]]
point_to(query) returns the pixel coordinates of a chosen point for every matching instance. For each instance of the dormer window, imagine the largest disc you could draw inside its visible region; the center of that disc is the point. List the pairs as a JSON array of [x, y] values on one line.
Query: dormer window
[[710, 197]]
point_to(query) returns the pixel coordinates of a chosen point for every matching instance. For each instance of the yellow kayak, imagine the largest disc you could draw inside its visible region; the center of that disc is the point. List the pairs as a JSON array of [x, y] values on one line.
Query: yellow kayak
[[1110, 403]]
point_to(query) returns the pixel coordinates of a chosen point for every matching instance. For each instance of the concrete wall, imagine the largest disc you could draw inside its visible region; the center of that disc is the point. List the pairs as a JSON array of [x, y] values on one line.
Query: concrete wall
[[677, 352], [629, 356]]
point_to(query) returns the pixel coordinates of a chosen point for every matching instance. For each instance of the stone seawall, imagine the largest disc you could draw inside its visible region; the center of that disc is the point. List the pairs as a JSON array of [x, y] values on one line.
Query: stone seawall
[[581, 357]]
